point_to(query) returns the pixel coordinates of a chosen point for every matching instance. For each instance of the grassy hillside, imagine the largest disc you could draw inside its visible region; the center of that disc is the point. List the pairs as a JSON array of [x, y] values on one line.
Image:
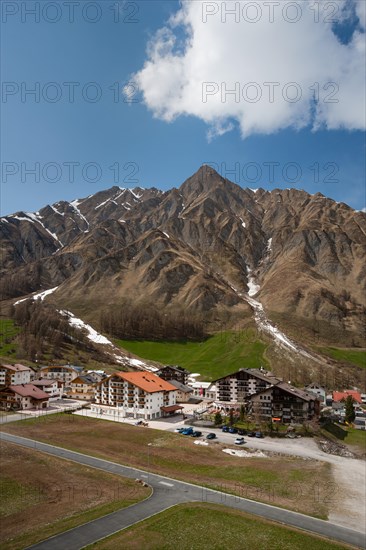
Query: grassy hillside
[[351, 356], [216, 356], [8, 333]]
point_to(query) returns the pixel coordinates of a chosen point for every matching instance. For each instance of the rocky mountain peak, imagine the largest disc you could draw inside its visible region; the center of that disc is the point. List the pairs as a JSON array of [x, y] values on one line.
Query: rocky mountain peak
[[199, 247]]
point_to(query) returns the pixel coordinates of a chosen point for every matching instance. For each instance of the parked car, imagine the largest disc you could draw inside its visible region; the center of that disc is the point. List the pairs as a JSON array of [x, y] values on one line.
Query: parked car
[[179, 430], [225, 428], [211, 436], [239, 441], [251, 434], [259, 435], [233, 430], [187, 431], [196, 434], [241, 432]]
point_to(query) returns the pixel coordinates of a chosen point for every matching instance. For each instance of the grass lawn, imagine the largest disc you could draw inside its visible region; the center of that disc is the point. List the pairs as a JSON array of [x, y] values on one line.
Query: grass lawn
[[208, 526], [356, 437], [217, 356], [348, 435], [43, 495], [8, 332], [290, 482], [352, 356]]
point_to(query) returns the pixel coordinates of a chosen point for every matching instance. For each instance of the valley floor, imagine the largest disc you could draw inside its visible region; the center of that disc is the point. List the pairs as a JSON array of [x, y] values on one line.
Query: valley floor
[[346, 495]]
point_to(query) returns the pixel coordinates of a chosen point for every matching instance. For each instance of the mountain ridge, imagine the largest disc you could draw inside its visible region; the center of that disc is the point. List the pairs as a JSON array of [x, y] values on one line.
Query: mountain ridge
[[190, 247]]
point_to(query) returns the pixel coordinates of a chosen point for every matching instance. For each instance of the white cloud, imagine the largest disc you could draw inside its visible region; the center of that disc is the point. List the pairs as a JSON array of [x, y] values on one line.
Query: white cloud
[[230, 55]]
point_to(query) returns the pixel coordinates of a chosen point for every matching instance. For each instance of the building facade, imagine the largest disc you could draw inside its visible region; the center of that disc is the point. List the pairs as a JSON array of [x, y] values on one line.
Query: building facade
[[65, 373], [184, 392], [316, 390], [234, 389], [23, 396], [82, 387], [15, 374], [283, 403], [137, 394], [50, 387], [174, 372]]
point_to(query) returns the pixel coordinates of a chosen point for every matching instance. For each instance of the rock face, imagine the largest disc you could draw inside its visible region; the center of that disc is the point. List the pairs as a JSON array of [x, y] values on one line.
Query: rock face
[[199, 247]]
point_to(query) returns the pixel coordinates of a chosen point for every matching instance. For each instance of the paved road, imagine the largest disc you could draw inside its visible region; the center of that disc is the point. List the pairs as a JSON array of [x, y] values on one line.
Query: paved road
[[168, 492]]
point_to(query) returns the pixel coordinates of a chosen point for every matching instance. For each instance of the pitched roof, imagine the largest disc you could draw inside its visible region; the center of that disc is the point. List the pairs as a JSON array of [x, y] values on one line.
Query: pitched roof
[[254, 373], [44, 382], [84, 378], [339, 395], [16, 368], [181, 387], [66, 367], [306, 396], [176, 368], [314, 386], [171, 408], [147, 381], [288, 389], [29, 390]]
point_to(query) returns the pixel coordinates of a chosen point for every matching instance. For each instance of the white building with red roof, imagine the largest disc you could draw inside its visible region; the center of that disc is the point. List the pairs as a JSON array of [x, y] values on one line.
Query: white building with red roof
[[23, 396], [138, 395], [53, 388], [342, 395]]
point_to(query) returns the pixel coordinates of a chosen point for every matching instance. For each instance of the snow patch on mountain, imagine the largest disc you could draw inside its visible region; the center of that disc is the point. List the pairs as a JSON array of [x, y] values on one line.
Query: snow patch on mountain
[[34, 218], [91, 333], [74, 205], [99, 339], [40, 296], [264, 323], [253, 287]]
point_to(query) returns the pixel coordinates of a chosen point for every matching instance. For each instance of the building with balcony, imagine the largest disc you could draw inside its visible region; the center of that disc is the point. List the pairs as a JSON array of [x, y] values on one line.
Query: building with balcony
[[82, 387], [137, 394], [22, 396], [174, 372], [283, 403], [235, 389], [11, 375], [65, 373], [52, 388]]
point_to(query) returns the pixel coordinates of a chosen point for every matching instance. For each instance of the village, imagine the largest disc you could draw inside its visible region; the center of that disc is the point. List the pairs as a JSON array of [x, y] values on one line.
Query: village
[[173, 393]]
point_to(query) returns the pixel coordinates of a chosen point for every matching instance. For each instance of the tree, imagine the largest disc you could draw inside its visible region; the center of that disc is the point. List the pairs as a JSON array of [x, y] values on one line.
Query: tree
[[349, 409], [218, 419], [231, 417], [242, 413]]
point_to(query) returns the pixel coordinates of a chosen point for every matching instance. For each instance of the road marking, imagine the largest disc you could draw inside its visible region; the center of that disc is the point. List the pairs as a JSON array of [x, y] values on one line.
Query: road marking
[[166, 483], [142, 475]]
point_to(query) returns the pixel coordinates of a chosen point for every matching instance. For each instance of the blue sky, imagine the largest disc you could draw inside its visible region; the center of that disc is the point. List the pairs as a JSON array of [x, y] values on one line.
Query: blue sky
[[153, 142]]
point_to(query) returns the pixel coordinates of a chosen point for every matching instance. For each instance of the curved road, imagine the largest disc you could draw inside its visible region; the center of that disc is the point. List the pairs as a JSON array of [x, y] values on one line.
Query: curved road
[[166, 493]]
